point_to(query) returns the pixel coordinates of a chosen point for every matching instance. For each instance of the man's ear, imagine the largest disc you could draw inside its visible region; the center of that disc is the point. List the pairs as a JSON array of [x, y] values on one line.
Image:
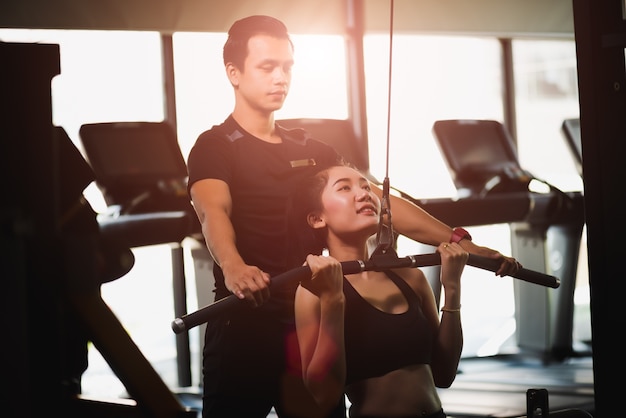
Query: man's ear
[[315, 220], [232, 73]]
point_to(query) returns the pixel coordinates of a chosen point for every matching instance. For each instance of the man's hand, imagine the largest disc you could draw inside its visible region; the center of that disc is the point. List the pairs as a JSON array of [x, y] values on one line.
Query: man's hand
[[247, 282]]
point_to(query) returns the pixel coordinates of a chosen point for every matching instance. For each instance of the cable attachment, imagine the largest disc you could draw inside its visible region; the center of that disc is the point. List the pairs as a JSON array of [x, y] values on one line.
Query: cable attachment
[[385, 236]]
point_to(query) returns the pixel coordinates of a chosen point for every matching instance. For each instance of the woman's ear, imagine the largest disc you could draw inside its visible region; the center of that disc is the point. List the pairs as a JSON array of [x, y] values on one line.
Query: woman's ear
[[315, 221]]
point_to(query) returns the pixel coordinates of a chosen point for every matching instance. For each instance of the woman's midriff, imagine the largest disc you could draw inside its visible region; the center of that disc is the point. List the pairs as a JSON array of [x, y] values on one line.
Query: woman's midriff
[[409, 391]]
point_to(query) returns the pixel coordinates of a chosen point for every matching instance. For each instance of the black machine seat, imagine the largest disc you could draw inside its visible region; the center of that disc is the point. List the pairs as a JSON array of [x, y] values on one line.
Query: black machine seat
[[481, 156], [138, 165], [143, 176]]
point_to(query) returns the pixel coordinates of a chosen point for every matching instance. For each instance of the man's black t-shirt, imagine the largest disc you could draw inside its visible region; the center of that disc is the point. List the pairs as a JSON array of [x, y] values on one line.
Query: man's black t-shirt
[[261, 177]]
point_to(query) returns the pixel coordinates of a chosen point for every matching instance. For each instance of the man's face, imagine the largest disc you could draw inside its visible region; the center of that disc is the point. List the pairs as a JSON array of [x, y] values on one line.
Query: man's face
[[265, 79]]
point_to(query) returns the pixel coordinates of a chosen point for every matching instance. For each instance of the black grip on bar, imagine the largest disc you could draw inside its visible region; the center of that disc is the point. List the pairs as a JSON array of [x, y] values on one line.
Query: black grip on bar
[[376, 262], [522, 274], [211, 311], [474, 260]]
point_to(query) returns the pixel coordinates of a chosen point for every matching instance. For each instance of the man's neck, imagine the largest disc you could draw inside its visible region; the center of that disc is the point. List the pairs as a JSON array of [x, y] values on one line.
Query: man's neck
[[258, 124]]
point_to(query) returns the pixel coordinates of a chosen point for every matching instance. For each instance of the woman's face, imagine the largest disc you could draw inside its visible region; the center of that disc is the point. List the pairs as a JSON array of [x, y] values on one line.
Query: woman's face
[[349, 205]]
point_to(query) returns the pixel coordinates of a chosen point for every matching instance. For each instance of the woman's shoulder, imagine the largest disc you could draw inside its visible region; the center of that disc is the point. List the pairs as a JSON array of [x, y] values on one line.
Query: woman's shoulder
[[410, 273], [415, 278]]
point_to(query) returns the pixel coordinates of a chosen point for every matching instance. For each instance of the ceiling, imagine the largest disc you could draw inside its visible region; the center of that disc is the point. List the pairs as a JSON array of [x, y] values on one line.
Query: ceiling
[[504, 18]]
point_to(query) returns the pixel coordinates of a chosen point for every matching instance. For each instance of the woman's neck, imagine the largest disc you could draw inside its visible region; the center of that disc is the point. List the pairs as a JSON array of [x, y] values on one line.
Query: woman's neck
[[344, 252]]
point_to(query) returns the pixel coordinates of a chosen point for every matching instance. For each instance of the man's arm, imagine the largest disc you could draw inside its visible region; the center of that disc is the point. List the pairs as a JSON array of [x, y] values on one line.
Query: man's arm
[[213, 204]]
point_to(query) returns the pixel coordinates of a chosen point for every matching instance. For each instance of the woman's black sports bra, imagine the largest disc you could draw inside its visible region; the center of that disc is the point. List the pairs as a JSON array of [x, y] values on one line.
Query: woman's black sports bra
[[378, 342]]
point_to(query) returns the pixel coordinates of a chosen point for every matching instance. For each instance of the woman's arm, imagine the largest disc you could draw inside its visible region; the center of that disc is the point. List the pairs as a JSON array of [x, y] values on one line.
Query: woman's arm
[[449, 339], [319, 312]]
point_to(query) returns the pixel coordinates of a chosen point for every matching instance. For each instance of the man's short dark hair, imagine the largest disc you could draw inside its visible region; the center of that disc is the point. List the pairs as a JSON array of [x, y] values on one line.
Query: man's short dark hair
[[236, 46]]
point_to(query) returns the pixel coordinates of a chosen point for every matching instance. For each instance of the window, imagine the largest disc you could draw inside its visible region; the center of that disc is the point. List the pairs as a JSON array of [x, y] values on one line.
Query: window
[[433, 78], [105, 76], [546, 92]]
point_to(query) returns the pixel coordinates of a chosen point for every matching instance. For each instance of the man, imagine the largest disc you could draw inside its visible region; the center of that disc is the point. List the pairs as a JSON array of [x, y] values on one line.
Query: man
[[241, 176]]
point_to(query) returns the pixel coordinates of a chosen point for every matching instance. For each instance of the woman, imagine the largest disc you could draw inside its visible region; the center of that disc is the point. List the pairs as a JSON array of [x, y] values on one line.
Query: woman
[[376, 335]]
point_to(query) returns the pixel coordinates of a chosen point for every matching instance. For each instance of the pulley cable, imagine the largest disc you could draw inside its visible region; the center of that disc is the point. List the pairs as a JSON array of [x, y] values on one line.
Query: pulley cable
[[385, 236]]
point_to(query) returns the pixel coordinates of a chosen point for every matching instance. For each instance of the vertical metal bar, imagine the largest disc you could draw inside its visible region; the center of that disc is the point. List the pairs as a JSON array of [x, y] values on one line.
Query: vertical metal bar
[[600, 32], [169, 87], [183, 358], [508, 88], [356, 78]]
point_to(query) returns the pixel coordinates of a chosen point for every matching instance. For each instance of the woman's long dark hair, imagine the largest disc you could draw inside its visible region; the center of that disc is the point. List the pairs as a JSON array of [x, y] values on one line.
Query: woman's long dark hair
[[307, 198]]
